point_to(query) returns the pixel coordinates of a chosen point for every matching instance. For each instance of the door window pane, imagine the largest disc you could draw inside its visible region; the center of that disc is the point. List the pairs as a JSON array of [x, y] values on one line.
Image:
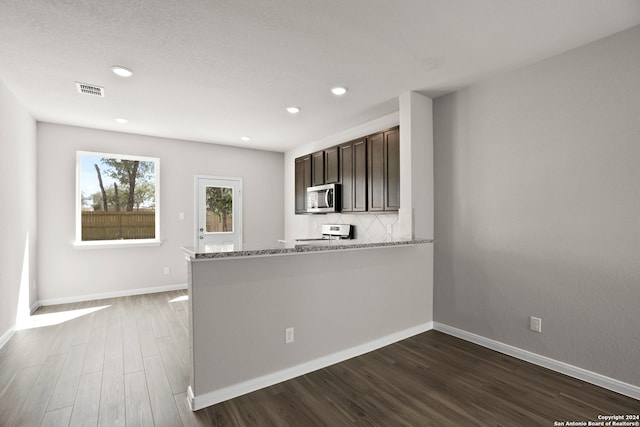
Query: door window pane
[[219, 209]]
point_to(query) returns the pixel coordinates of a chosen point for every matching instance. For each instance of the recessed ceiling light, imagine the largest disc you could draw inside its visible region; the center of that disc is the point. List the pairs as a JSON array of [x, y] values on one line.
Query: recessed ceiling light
[[121, 71], [293, 110], [245, 138], [121, 120], [339, 90]]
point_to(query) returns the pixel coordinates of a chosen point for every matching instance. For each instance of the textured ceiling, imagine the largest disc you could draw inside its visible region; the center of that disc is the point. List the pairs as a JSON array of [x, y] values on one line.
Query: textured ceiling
[[216, 70]]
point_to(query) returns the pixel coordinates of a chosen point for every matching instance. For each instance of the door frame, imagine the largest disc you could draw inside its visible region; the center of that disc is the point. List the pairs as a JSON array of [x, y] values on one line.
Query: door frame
[[237, 203]]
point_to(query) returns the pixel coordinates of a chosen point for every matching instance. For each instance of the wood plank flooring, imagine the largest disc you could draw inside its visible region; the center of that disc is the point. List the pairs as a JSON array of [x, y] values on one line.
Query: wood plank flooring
[[127, 365], [122, 365]]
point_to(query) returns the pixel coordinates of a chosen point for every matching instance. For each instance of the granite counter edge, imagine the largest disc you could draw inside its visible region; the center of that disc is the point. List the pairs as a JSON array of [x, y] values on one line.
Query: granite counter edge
[[299, 249]]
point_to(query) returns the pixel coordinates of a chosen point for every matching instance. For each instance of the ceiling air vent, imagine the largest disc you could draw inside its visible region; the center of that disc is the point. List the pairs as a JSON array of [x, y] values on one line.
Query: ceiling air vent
[[88, 89]]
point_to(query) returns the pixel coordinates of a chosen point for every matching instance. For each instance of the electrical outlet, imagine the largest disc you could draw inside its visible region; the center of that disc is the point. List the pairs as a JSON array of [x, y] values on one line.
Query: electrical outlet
[[288, 335], [167, 271], [535, 323], [389, 228], [181, 216]]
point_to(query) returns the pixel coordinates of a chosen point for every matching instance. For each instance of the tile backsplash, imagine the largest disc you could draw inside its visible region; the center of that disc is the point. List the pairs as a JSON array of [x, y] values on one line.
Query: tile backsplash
[[369, 228]]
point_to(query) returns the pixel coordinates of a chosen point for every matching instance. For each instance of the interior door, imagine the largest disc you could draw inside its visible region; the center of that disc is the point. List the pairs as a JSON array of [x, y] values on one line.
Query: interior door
[[218, 214]]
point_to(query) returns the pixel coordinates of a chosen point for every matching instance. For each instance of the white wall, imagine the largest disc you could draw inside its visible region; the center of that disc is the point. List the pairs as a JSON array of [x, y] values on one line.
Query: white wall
[[537, 183], [17, 214], [66, 272]]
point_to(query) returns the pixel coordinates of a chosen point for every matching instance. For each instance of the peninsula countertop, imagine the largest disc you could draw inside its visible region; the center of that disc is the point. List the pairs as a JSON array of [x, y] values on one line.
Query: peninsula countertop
[[282, 247]]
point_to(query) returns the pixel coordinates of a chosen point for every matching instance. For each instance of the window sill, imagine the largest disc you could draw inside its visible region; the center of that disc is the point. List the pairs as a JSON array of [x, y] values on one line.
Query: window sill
[[108, 244]]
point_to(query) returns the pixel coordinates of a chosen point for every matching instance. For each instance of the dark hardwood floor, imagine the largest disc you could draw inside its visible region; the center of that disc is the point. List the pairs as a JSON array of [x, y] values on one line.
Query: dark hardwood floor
[[126, 364]]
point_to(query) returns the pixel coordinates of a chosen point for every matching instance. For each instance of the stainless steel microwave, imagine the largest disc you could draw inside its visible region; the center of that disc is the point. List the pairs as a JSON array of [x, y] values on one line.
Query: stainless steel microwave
[[323, 198]]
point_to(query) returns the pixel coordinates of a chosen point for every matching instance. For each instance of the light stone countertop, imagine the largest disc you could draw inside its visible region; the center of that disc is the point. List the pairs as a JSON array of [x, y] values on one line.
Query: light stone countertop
[[287, 247]]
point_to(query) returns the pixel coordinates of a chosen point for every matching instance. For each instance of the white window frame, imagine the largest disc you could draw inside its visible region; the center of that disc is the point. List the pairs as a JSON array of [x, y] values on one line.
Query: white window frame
[[96, 244]]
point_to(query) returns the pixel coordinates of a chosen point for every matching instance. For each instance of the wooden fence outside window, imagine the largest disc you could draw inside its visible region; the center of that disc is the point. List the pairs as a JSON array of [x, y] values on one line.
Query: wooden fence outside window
[[132, 225], [118, 225], [214, 223]]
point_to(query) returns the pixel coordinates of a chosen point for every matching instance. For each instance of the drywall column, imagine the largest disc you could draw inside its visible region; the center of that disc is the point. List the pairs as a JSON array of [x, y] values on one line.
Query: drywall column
[[416, 166]]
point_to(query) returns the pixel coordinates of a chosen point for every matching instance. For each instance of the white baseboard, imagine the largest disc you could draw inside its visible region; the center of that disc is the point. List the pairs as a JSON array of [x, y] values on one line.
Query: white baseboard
[[217, 396], [546, 362], [115, 294], [7, 336], [34, 307]]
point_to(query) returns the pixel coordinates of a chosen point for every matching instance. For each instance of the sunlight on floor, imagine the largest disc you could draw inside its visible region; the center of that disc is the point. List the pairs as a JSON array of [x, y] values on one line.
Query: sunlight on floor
[[180, 298], [50, 319]]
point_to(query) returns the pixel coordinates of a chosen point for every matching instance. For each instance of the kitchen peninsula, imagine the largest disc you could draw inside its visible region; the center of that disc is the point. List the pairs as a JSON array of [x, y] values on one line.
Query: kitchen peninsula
[[262, 315]]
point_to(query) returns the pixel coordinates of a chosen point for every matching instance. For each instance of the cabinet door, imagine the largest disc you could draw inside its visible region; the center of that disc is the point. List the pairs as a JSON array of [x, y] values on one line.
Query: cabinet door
[[384, 171], [392, 170], [360, 175], [317, 168], [346, 172], [331, 165], [353, 170], [302, 181], [375, 156]]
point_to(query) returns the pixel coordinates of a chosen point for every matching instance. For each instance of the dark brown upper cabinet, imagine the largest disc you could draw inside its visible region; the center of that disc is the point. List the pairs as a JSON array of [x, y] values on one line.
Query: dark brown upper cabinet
[[317, 168], [360, 175], [302, 181], [353, 171], [368, 169], [331, 165], [324, 167], [383, 162], [392, 190]]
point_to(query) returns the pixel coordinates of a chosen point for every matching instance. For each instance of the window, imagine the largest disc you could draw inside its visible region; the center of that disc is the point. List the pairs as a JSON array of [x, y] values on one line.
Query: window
[[117, 200], [219, 209]]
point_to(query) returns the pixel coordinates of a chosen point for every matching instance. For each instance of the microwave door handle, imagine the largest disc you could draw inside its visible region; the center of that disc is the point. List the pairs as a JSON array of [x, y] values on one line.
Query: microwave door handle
[[326, 198]]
